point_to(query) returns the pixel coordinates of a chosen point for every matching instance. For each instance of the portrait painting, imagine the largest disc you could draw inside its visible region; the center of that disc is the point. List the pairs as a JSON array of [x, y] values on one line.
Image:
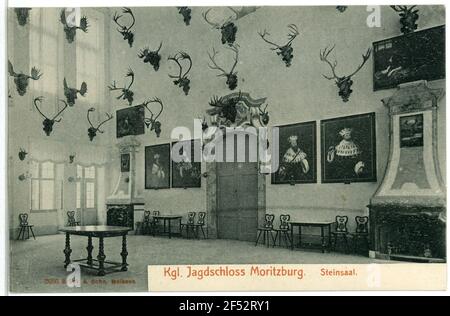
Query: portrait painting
[[415, 56], [157, 166], [186, 168], [297, 154], [130, 121], [125, 163], [411, 131], [349, 149]]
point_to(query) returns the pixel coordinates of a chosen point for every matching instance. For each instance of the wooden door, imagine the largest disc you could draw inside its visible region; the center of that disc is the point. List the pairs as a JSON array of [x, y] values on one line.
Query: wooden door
[[237, 200]]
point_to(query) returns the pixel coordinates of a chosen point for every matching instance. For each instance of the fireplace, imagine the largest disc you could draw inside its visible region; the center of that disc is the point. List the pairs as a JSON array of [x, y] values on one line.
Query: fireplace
[[407, 212]]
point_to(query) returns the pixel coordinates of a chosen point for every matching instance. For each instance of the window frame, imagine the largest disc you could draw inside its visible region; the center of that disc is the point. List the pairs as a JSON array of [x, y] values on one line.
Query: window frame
[[39, 179]]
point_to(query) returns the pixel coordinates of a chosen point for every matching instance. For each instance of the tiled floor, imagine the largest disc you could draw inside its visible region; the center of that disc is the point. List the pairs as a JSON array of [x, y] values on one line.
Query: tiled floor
[[37, 265]]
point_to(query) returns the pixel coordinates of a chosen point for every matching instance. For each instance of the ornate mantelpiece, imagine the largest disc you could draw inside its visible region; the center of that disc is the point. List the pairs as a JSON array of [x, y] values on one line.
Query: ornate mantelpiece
[[125, 199], [407, 212]]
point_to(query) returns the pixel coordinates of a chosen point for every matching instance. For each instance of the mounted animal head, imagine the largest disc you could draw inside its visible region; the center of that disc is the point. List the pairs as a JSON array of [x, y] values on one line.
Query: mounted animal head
[[125, 30], [152, 57], [71, 30], [126, 94], [232, 79], [186, 13], [152, 121], [71, 93], [22, 15], [181, 79], [286, 50], [344, 83], [92, 131], [225, 108], [341, 8], [22, 154], [408, 17], [264, 115], [48, 122], [21, 80], [228, 28]]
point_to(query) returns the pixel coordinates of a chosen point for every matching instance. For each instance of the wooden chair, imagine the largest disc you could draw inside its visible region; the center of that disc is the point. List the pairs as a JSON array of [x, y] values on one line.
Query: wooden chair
[[189, 225], [24, 226], [145, 225], [283, 230], [266, 230], [154, 224], [200, 224], [361, 233], [341, 231], [71, 221]]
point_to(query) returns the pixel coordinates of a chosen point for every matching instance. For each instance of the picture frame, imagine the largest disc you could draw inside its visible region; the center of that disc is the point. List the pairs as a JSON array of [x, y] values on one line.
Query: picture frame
[[130, 121], [125, 162], [157, 166], [349, 149], [410, 57], [297, 154], [187, 173]]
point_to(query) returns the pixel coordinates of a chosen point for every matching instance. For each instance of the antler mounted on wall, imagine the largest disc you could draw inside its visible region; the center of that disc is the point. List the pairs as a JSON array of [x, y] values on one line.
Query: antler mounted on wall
[[228, 28], [126, 32], [126, 94], [344, 83], [232, 79], [286, 50], [48, 122], [71, 93], [92, 131], [408, 17], [152, 121], [22, 15], [152, 57], [181, 79], [71, 30], [21, 80], [186, 13]]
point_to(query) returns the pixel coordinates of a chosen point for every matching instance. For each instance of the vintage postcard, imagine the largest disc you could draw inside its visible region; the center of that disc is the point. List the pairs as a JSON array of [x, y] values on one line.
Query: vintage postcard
[[216, 148]]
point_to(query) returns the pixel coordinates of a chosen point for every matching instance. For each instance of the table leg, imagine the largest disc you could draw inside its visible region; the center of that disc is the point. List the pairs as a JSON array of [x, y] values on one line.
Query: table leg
[[322, 236], [292, 234], [180, 227], [67, 251], [329, 237], [89, 250], [164, 224], [170, 230], [124, 253], [101, 257], [299, 236]]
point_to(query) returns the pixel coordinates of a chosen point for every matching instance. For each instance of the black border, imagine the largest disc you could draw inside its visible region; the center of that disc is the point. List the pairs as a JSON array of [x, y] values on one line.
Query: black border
[[192, 153], [168, 167], [371, 116], [314, 180]]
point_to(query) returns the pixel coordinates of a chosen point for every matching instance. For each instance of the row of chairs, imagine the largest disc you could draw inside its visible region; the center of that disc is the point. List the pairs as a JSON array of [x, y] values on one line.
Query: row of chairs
[[194, 226], [340, 233]]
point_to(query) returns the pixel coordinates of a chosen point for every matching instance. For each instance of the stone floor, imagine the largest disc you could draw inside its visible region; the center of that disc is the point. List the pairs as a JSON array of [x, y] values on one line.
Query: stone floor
[[37, 265]]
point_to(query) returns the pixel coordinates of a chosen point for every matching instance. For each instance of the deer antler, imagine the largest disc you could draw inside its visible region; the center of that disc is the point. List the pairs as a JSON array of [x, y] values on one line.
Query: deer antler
[[324, 57], [39, 100], [176, 58], [263, 36], [243, 11], [402, 8], [154, 100], [365, 58], [215, 66], [109, 117], [214, 25], [57, 114], [130, 73], [117, 17], [293, 33]]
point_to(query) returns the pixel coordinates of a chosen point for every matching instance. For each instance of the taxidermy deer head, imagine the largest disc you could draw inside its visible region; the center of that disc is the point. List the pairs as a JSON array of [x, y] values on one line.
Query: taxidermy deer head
[[181, 79], [341, 8], [71, 93], [152, 121], [48, 122], [71, 30], [22, 154], [21, 80], [126, 32], [232, 79], [344, 83], [264, 115], [286, 50], [92, 131], [228, 28], [224, 108], [126, 94], [186, 13], [408, 17], [22, 15], [152, 57]]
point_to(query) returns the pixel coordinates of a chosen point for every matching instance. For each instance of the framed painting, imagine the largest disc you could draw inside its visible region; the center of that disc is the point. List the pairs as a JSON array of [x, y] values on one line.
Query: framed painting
[[297, 154], [349, 149], [130, 121], [411, 130], [125, 162], [157, 166], [406, 58], [186, 164]]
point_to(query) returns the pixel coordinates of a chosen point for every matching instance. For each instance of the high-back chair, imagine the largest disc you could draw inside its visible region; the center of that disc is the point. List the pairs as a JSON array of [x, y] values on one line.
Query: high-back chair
[[361, 234], [341, 231], [189, 225], [266, 230], [25, 226], [283, 231], [71, 220], [201, 221]]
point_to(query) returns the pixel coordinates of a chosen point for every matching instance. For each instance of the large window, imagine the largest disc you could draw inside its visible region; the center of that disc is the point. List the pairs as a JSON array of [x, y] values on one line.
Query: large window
[[43, 186], [86, 188]]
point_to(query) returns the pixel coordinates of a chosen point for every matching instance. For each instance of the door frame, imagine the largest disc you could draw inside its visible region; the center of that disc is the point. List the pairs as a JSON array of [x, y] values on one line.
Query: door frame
[[212, 201]]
